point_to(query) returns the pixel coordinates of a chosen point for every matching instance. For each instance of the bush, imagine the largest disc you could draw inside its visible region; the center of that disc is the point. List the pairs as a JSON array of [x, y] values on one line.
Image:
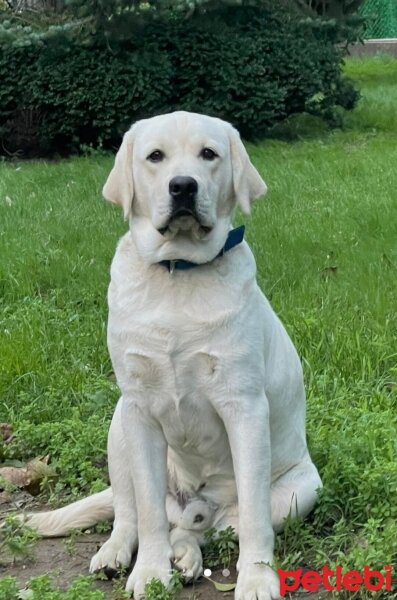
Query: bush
[[252, 67], [66, 96]]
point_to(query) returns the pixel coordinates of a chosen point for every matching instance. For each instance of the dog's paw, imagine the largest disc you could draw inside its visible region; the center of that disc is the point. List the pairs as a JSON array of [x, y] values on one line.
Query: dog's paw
[[115, 554], [257, 581], [144, 571], [188, 558]]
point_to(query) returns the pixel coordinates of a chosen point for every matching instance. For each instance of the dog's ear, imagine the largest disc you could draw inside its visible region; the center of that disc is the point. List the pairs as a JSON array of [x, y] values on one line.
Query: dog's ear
[[247, 183], [119, 186]]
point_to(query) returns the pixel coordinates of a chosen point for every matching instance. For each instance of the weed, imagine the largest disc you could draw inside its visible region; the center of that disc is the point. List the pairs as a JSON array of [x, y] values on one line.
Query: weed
[[41, 588], [70, 542], [221, 547], [80, 589], [7, 486], [8, 588], [155, 590], [118, 590], [17, 539]]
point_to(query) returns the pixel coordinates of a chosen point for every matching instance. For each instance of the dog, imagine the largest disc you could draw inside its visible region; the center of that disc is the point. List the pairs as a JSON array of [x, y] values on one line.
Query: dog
[[210, 429]]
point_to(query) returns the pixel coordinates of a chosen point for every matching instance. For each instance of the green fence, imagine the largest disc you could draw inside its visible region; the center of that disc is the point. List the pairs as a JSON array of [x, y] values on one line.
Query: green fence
[[381, 18]]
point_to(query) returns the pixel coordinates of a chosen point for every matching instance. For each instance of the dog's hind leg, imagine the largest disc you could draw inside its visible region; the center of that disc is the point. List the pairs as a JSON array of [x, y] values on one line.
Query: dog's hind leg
[[294, 493], [117, 552], [227, 516]]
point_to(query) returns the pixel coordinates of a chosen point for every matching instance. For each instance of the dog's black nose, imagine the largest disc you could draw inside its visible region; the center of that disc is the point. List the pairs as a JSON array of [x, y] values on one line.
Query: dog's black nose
[[183, 190]]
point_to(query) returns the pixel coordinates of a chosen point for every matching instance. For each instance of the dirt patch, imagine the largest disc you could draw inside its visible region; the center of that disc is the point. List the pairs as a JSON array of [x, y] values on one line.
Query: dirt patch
[[64, 562], [67, 558], [57, 558]]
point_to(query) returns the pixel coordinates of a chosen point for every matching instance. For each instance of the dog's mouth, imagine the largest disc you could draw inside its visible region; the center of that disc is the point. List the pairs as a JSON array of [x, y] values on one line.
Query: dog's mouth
[[184, 212], [184, 219]]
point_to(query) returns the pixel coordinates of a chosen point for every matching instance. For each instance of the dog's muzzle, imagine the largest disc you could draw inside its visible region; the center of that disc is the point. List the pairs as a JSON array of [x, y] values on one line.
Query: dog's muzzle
[[183, 192]]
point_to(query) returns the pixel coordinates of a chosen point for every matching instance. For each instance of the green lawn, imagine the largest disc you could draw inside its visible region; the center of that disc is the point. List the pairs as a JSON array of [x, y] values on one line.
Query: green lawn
[[325, 239]]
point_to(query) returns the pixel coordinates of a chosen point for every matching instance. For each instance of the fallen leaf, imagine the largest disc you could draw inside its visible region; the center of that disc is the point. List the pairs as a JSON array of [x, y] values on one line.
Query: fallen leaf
[[222, 587], [6, 432], [15, 476], [30, 476]]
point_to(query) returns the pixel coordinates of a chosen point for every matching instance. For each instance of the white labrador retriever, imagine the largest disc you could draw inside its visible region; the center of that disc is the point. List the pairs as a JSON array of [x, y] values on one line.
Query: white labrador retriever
[[210, 428]]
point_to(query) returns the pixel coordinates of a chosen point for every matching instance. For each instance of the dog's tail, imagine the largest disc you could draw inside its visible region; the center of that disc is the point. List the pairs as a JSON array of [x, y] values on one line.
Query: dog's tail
[[79, 515]]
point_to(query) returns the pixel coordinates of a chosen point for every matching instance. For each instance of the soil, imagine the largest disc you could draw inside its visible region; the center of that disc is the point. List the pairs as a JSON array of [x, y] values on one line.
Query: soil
[[67, 558]]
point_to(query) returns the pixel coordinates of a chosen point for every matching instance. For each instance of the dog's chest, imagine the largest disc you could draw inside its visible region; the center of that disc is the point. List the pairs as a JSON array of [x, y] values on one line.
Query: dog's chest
[[172, 374], [177, 346]]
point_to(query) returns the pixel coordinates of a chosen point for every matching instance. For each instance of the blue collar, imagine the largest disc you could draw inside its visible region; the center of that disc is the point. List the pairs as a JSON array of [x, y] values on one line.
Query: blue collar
[[234, 238]]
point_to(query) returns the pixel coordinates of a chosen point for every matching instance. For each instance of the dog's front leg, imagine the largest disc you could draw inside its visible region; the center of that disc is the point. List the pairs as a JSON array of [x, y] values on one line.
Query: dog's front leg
[[247, 425], [147, 459]]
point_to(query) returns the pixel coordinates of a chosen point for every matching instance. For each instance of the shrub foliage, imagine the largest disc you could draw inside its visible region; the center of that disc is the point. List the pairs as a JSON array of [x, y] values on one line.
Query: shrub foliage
[[252, 66]]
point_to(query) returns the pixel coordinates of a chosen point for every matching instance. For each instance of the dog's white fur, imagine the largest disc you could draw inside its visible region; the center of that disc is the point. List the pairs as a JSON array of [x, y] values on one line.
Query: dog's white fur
[[210, 428]]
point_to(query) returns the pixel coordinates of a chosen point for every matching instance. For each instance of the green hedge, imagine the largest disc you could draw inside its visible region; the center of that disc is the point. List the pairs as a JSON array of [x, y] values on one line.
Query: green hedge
[[252, 67]]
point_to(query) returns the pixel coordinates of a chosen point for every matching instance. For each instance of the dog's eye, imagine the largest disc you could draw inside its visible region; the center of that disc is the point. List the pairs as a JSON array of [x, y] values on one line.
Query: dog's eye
[[208, 154], [155, 156]]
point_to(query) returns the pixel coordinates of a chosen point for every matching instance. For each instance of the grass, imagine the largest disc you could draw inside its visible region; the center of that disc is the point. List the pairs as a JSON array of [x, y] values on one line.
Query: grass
[[325, 244]]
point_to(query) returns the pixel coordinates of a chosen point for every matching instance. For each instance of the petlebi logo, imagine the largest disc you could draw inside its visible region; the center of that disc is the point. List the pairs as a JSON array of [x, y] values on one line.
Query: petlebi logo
[[335, 580]]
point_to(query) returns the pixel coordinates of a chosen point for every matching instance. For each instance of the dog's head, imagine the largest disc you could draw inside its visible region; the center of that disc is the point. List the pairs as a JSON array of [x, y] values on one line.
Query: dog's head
[[179, 178]]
